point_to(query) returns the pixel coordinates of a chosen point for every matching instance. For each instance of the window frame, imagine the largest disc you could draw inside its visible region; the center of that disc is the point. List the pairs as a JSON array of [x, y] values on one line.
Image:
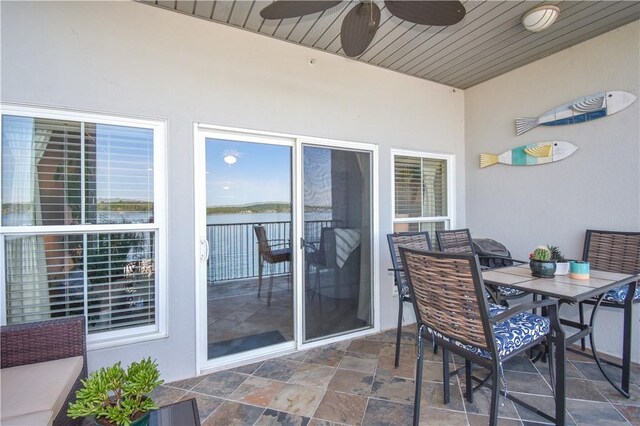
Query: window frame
[[449, 219], [159, 226]]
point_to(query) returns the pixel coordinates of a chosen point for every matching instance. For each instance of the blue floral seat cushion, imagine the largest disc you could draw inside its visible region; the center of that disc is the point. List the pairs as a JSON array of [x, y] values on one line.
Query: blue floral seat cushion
[[405, 291], [511, 334], [618, 294], [509, 291], [496, 309]]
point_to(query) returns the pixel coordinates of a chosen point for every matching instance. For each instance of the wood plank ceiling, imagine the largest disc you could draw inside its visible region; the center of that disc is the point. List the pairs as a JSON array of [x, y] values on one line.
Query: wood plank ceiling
[[488, 42]]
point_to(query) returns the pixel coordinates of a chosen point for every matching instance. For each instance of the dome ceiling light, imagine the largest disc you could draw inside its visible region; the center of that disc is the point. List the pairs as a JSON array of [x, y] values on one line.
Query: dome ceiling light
[[540, 18]]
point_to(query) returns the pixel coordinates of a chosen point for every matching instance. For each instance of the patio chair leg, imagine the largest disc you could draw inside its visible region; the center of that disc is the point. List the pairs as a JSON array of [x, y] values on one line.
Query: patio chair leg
[[445, 376], [259, 276], [468, 381], [399, 332], [316, 283], [552, 371], [418, 392], [270, 288], [560, 383], [495, 398], [581, 313]]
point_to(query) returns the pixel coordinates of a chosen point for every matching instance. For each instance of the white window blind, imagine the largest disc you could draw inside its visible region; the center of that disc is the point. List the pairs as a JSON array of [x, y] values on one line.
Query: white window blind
[[421, 193], [61, 181]]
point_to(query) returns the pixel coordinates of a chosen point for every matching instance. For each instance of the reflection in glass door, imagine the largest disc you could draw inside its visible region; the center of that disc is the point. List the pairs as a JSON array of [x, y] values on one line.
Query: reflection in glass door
[[337, 241], [249, 278]]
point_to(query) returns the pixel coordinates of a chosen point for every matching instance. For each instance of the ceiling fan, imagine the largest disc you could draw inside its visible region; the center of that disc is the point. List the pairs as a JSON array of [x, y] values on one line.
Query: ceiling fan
[[361, 23]]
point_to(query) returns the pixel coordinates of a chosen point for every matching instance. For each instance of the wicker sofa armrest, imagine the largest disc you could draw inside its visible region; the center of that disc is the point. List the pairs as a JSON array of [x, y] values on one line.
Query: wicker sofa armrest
[[42, 341]]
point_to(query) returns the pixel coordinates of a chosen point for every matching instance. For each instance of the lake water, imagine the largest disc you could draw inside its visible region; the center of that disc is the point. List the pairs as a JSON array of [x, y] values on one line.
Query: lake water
[[220, 219]]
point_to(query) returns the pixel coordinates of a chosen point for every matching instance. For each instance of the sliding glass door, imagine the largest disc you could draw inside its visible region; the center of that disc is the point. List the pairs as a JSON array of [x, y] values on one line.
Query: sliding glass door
[[249, 263], [337, 241], [285, 243]]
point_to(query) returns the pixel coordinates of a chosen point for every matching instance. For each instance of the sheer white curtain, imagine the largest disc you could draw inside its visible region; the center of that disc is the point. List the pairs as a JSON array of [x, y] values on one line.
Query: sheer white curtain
[[28, 289]]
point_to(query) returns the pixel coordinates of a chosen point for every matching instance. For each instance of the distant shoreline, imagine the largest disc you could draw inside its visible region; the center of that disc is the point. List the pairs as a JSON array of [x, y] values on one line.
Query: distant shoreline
[[250, 209], [259, 208]]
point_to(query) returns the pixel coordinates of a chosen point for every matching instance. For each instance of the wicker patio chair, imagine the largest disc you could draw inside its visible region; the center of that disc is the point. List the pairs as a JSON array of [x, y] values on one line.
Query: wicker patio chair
[[612, 251], [267, 253], [416, 240], [319, 257], [448, 298], [30, 343], [458, 241]]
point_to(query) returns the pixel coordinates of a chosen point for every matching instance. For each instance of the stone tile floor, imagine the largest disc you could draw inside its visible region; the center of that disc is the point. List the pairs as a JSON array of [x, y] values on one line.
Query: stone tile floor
[[355, 383]]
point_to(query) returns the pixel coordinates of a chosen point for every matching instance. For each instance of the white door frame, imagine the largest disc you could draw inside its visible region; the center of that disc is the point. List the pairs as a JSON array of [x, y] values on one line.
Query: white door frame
[[200, 133]]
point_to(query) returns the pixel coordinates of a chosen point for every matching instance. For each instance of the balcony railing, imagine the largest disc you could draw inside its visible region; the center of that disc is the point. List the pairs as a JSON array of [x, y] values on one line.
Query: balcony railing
[[233, 247]]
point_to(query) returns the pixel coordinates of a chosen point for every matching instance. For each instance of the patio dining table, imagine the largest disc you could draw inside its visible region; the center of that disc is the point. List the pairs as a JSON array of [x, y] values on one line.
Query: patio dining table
[[569, 290]]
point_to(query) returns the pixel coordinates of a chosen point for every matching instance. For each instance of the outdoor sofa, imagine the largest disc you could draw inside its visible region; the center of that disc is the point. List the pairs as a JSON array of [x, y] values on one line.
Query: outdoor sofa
[[42, 364]]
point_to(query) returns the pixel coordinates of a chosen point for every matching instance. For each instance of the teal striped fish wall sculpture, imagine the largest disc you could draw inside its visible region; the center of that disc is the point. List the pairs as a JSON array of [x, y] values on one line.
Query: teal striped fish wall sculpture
[[578, 111], [532, 154]]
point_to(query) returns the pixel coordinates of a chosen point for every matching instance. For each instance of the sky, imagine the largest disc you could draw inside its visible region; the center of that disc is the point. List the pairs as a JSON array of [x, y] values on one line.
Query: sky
[[262, 173]]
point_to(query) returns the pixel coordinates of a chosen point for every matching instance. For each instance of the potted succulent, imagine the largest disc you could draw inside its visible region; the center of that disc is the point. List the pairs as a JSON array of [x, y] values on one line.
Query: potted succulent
[[114, 396], [541, 264], [562, 264]]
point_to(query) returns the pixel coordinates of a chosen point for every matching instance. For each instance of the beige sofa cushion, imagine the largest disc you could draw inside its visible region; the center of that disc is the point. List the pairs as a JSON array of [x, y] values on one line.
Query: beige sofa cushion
[[37, 388]]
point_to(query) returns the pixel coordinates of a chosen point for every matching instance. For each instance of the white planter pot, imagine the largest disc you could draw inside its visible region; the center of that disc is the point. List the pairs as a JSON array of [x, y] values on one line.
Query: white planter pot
[[562, 268]]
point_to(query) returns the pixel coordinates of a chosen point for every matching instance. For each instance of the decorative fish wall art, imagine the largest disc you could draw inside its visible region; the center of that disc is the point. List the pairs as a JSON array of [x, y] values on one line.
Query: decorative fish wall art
[[578, 111], [531, 154]]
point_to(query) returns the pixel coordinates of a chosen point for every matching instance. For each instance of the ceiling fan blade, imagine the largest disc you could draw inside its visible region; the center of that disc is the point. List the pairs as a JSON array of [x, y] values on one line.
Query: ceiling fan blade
[[283, 9], [359, 27], [430, 12]]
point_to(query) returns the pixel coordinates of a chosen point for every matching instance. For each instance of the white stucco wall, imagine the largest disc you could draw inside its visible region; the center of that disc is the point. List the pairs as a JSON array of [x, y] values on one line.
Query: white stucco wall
[[598, 187], [131, 59]]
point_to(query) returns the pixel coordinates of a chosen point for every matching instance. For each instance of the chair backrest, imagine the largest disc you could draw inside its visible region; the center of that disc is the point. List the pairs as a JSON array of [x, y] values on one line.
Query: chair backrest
[[612, 251], [448, 295], [263, 244], [415, 240], [457, 241], [327, 247]]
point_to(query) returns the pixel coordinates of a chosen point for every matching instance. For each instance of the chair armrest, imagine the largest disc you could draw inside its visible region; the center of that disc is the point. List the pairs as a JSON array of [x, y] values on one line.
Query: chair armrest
[[280, 245], [522, 308], [311, 246]]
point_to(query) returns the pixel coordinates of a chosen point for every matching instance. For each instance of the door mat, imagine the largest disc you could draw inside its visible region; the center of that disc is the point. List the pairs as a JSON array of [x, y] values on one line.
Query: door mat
[[243, 344]]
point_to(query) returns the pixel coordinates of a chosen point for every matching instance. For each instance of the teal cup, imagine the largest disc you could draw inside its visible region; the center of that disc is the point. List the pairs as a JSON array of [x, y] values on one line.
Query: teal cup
[[579, 270]]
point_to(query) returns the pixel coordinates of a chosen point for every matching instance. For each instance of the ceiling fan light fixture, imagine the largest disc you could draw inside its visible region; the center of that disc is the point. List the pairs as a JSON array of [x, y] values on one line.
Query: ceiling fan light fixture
[[540, 18]]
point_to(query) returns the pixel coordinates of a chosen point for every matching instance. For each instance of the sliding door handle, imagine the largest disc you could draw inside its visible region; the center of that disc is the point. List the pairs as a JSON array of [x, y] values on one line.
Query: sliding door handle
[[204, 250]]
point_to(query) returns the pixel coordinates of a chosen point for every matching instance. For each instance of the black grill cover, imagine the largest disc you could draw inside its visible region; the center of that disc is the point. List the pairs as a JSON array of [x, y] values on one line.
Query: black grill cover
[[486, 249]]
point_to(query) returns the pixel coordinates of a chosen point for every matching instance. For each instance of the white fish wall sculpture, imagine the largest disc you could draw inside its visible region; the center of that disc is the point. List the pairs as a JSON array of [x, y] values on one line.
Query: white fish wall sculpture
[[580, 110], [531, 154]]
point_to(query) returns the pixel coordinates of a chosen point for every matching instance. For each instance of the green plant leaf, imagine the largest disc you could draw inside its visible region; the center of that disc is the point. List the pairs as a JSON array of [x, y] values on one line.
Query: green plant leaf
[[115, 394]]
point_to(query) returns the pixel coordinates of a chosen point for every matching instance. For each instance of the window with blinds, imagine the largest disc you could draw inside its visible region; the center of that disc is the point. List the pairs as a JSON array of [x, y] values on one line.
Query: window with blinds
[[79, 227], [421, 193]]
